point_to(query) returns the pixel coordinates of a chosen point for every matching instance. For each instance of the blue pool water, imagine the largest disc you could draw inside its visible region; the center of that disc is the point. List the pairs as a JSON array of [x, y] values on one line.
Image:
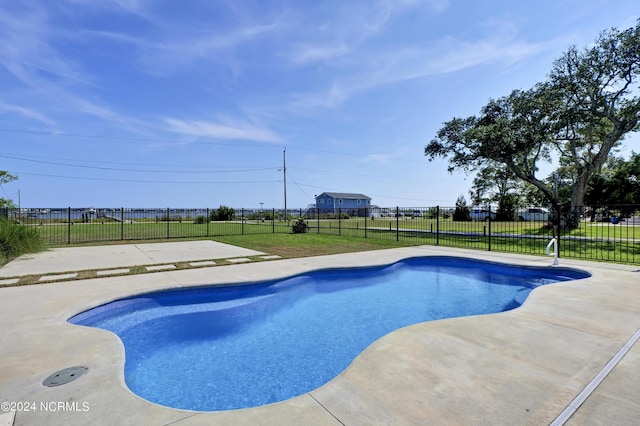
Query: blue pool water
[[221, 348]]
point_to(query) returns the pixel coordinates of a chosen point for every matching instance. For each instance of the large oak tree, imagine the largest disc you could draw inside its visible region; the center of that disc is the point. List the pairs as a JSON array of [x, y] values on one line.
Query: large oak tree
[[588, 103]]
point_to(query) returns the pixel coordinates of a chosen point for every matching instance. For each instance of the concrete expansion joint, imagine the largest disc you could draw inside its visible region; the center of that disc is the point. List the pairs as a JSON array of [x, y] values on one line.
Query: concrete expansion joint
[[595, 382], [326, 409], [179, 421], [143, 252]]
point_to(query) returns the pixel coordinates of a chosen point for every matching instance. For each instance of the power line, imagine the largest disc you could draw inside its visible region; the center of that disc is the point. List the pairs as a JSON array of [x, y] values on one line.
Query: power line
[[34, 159], [299, 187], [147, 181], [136, 170], [104, 162]]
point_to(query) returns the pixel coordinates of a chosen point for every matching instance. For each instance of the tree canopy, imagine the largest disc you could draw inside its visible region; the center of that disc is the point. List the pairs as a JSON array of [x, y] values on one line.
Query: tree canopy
[[6, 177], [587, 105], [495, 184], [617, 183]]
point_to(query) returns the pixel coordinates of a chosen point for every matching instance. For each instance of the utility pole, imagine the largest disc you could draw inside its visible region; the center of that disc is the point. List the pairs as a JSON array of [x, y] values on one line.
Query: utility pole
[[284, 171]]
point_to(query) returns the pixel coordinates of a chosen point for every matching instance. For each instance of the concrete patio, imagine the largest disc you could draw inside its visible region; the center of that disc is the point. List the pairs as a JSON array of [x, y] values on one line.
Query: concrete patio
[[521, 367]]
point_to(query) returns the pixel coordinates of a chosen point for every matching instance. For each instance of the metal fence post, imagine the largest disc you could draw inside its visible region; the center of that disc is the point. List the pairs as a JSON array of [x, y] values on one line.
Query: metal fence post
[[168, 221], [559, 227], [242, 219], [122, 223], [397, 223], [273, 220], [437, 225], [69, 225], [339, 221], [207, 220], [318, 216], [365, 222], [489, 223]]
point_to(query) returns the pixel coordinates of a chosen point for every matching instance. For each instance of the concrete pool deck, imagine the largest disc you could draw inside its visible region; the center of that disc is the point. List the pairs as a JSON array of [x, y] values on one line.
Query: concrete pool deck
[[519, 367], [118, 256]]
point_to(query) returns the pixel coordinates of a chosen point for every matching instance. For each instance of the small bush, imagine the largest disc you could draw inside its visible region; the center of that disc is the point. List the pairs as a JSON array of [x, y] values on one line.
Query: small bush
[[222, 213], [16, 240], [462, 213], [200, 220], [300, 227]]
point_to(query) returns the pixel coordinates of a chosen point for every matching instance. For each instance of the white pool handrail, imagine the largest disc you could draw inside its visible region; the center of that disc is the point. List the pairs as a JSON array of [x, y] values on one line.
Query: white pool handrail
[[553, 242]]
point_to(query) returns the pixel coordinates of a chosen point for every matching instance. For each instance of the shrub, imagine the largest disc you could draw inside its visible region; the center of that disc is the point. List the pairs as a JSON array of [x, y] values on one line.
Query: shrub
[[222, 213], [432, 213], [462, 212], [300, 226], [16, 239], [200, 220], [507, 207]]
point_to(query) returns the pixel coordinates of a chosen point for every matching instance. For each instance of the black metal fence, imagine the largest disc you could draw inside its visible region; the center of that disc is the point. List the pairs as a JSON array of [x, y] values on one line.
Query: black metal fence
[[60, 226], [602, 233]]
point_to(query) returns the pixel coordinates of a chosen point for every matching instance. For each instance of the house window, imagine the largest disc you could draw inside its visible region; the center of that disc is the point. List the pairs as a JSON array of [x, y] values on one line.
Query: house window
[[340, 201], [359, 201], [321, 201], [328, 200]]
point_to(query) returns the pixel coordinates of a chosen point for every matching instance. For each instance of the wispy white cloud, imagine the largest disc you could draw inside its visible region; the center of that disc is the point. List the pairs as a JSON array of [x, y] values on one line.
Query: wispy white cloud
[[25, 112], [196, 47], [140, 8], [303, 54], [396, 152], [172, 48], [349, 25], [223, 129], [49, 79], [125, 39], [378, 68], [63, 92], [376, 158], [27, 52]]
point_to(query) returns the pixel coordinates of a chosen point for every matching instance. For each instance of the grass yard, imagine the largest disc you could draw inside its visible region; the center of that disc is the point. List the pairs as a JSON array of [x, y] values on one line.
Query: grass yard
[[303, 245], [586, 229], [64, 234]]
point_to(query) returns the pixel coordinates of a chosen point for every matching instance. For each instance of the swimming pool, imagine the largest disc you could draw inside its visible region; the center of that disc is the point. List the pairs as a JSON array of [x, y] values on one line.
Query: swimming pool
[[230, 347]]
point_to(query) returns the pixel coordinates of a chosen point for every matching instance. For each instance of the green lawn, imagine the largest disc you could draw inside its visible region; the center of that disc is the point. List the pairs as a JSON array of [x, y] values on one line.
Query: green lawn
[[309, 244], [586, 229], [60, 234]]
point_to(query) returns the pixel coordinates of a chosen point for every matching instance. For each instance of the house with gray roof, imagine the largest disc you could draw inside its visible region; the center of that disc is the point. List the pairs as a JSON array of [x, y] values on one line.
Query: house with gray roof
[[332, 202]]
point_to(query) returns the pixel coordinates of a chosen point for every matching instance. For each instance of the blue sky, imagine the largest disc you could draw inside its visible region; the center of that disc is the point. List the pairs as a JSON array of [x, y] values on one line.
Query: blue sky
[[135, 103]]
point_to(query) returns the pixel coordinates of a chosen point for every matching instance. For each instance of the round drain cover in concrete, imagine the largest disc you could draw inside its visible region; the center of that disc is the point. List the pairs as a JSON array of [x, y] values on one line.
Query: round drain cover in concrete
[[64, 376]]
